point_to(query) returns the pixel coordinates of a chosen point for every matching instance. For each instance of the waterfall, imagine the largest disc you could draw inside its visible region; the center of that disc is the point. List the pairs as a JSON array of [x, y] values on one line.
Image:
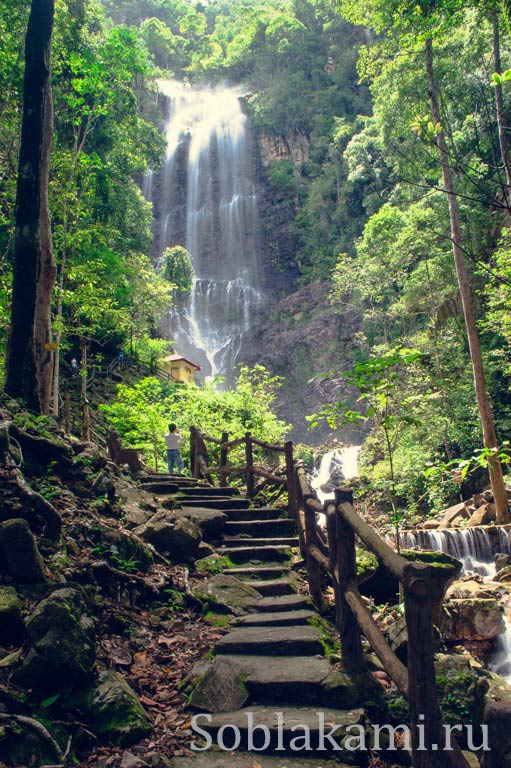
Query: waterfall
[[334, 467], [208, 203], [476, 549]]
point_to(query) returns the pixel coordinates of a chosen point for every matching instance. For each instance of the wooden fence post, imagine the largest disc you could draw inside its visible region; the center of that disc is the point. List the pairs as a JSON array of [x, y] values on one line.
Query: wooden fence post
[[346, 564], [224, 452], [331, 528], [292, 493], [249, 454], [193, 451], [314, 570], [428, 736]]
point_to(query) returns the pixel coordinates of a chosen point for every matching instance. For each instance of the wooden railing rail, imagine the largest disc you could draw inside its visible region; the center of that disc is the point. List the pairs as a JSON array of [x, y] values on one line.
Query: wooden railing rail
[[203, 467], [423, 587]]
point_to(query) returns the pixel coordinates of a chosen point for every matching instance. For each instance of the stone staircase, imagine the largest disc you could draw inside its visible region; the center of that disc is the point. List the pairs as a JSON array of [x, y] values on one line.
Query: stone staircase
[[275, 655]]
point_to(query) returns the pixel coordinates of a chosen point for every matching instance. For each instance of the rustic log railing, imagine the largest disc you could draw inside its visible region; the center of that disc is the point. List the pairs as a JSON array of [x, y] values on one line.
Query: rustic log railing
[[424, 588], [201, 466]]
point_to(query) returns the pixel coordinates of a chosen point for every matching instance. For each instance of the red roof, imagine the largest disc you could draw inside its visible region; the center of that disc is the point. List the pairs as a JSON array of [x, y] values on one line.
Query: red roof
[[176, 358]]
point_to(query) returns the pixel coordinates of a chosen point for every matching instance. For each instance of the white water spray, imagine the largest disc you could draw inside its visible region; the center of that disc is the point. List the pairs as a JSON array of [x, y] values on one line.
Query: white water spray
[[335, 466], [209, 204]]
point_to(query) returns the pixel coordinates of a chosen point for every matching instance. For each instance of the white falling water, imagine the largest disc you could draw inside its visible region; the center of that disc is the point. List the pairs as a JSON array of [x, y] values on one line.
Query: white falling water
[[476, 549], [209, 204], [335, 466], [147, 186]]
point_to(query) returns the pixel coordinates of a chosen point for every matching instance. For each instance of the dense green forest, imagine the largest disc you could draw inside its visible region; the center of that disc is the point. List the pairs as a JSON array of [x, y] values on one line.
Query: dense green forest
[[368, 206]]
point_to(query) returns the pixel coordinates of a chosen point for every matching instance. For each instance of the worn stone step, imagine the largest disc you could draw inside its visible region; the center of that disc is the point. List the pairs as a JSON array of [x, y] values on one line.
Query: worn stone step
[[274, 587], [250, 514], [273, 641], [244, 541], [161, 487], [270, 571], [284, 727], [283, 603], [223, 503], [209, 490], [245, 554], [216, 758], [283, 619], [259, 528]]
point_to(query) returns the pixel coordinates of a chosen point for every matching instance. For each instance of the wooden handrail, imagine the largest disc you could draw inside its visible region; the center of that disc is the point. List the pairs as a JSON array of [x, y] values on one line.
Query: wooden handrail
[[385, 554], [269, 446], [423, 586]]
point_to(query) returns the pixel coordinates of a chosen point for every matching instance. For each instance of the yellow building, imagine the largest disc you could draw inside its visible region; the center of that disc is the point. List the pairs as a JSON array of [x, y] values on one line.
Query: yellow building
[[180, 368]]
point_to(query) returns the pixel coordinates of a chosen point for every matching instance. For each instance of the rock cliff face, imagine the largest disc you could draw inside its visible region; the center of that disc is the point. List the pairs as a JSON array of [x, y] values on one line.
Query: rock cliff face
[[294, 146], [301, 336]]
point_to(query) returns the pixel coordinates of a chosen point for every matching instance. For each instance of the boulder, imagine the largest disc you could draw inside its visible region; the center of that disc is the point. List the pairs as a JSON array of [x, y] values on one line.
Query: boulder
[[138, 506], [469, 588], [121, 545], [461, 685], [210, 521], [229, 594], [504, 575], [63, 643], [367, 565], [452, 513], [501, 561], [21, 745], [11, 620], [485, 515], [177, 536], [218, 685], [471, 619], [118, 714], [19, 552]]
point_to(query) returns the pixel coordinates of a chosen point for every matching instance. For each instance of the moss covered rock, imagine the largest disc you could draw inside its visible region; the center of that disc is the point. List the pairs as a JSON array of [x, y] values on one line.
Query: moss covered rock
[[118, 714], [367, 565], [19, 552], [63, 643], [11, 621], [461, 686], [228, 593]]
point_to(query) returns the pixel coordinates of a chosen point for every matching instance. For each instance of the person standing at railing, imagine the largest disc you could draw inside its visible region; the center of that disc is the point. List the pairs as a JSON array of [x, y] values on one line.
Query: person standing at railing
[[173, 440]]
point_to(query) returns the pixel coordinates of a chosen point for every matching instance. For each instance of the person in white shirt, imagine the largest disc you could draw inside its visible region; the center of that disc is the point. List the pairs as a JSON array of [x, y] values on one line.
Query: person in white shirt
[[174, 458]]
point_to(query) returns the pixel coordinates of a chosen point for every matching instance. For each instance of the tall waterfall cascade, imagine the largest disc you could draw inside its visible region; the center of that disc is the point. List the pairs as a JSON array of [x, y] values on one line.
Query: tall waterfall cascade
[[208, 203]]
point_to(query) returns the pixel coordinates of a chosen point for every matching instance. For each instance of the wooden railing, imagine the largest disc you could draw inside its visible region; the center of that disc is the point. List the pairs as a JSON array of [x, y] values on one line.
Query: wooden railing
[[423, 586], [200, 463]]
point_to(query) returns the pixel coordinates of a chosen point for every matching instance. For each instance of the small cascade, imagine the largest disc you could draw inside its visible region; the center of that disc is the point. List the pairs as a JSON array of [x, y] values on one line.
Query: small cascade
[[474, 547], [334, 467], [207, 201], [147, 186]]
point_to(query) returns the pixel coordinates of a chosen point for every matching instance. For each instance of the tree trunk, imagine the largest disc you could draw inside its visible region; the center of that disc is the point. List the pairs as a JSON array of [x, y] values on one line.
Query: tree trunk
[[29, 356], [84, 400], [499, 105], [483, 403]]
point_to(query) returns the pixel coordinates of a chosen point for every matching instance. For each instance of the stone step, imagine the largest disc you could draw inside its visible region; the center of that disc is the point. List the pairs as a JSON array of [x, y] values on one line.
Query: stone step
[[273, 587], [252, 515], [246, 554], [285, 731], [276, 641], [161, 487], [222, 503], [243, 541], [270, 571], [260, 528], [283, 603], [215, 758], [283, 619], [209, 490]]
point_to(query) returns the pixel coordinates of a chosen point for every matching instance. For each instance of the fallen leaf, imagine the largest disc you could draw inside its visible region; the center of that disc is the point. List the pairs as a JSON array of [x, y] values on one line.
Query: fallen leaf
[[11, 658]]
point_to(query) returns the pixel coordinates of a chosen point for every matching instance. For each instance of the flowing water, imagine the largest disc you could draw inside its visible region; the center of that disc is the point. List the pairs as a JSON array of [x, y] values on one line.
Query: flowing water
[[476, 549], [334, 467], [208, 203]]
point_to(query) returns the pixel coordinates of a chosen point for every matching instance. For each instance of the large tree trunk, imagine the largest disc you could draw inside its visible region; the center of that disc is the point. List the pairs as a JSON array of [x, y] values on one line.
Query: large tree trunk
[[499, 105], [483, 403], [29, 356]]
